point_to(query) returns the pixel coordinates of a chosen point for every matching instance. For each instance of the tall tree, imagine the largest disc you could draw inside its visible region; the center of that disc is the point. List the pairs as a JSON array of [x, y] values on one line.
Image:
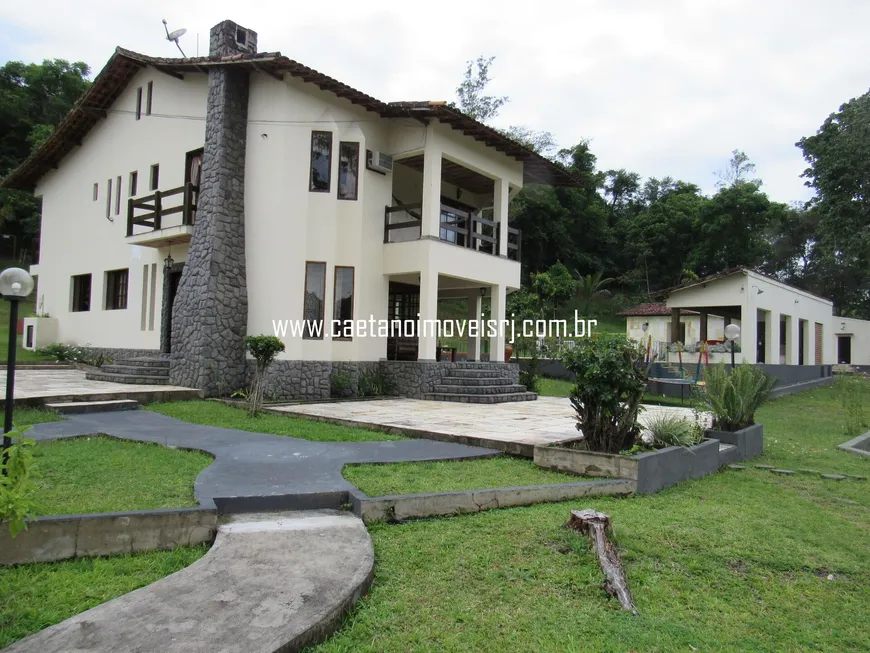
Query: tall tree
[[739, 171], [471, 91]]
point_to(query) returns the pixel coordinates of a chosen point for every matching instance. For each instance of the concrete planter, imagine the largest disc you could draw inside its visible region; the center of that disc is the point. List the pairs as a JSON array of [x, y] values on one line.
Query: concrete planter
[[749, 441], [653, 471]]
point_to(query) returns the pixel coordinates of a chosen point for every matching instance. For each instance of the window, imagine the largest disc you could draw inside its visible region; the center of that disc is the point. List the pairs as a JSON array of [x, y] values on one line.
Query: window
[[155, 176], [321, 161], [116, 289], [138, 103], [118, 195], [134, 183], [109, 199], [342, 312], [148, 93], [315, 290], [81, 293], [96, 192], [348, 170]]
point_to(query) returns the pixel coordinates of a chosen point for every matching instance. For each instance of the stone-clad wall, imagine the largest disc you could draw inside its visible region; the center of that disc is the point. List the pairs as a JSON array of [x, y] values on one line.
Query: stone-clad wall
[[210, 312], [310, 380]]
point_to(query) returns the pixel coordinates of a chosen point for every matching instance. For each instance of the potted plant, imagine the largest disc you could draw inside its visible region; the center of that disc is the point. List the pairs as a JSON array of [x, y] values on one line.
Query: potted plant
[[508, 352], [733, 396]]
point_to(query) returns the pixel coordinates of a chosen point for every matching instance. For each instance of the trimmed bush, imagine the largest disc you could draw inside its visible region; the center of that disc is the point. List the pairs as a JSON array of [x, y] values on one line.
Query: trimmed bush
[[734, 397]]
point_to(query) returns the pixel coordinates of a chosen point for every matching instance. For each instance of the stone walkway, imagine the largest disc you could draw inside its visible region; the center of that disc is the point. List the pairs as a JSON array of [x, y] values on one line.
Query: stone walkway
[[254, 466], [270, 582], [52, 384], [510, 426]]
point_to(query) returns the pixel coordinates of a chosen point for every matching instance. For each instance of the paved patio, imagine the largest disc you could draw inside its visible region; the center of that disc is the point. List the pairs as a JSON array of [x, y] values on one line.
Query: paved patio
[[516, 427], [53, 384]]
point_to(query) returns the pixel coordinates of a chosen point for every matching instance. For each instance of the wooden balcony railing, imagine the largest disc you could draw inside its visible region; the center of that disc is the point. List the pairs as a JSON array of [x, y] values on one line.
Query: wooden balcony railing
[[474, 232], [156, 209]]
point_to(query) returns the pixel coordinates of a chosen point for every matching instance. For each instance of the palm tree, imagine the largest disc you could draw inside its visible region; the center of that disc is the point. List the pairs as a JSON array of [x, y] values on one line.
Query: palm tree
[[591, 288]]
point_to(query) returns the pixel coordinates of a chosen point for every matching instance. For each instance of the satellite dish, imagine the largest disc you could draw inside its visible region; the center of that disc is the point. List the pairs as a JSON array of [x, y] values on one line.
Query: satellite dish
[[174, 35]]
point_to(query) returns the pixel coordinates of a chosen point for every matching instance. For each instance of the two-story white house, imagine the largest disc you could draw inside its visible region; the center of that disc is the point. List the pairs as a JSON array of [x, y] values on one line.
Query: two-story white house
[[187, 202]]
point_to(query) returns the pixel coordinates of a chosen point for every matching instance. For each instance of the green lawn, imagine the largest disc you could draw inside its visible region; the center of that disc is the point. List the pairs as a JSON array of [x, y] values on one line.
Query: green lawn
[[35, 596], [102, 474], [561, 388], [738, 561], [22, 355], [213, 413], [29, 416], [451, 476]]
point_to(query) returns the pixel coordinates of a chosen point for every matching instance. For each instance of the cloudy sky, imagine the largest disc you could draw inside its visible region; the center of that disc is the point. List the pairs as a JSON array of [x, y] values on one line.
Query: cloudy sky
[[660, 87]]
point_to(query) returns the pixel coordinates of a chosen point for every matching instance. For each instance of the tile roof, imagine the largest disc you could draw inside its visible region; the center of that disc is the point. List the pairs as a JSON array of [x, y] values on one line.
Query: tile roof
[[124, 64], [653, 309]]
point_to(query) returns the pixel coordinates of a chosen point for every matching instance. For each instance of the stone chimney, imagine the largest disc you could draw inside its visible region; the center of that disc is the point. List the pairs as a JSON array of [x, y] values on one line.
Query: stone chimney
[[228, 38], [210, 312]]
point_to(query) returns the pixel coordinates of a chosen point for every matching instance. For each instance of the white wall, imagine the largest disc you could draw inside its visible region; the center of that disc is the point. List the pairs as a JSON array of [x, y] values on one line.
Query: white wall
[[859, 332], [76, 237], [659, 327]]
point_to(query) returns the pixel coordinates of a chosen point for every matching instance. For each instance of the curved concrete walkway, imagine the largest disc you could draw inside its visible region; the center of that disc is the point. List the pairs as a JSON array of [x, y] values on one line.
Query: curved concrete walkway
[[254, 466], [270, 583]]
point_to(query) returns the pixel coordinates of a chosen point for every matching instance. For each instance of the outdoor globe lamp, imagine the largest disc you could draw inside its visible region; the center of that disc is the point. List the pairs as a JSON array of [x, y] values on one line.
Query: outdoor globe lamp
[[15, 284], [732, 332]]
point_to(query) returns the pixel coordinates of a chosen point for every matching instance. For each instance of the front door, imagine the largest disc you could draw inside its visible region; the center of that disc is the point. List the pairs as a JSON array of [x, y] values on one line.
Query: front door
[[171, 279], [844, 349], [404, 304]]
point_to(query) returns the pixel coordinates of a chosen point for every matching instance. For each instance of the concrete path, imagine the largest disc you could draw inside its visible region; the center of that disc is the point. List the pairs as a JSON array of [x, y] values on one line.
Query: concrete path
[[270, 582], [254, 465], [508, 426]]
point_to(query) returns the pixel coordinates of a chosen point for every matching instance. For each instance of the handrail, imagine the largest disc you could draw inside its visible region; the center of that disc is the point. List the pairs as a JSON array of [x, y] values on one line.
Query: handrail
[[153, 204]]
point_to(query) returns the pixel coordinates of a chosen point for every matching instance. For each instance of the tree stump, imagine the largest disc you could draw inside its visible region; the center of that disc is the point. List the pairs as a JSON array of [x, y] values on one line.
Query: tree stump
[[596, 526]]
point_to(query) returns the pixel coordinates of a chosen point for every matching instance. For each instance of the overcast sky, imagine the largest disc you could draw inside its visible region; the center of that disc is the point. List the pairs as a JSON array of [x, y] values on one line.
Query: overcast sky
[[660, 87]]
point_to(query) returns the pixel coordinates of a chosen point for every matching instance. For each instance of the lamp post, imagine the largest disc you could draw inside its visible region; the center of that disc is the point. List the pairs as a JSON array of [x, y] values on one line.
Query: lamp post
[[732, 332], [15, 284]]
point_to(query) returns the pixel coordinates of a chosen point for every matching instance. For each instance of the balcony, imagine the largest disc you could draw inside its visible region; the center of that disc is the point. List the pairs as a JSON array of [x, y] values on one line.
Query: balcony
[[403, 222], [162, 218]]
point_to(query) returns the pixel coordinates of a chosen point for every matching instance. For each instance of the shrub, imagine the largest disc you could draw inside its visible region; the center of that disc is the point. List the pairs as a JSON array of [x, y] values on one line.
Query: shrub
[[374, 383], [610, 381], [850, 388], [341, 384], [671, 430], [734, 397], [531, 376], [62, 353], [16, 486], [263, 349]]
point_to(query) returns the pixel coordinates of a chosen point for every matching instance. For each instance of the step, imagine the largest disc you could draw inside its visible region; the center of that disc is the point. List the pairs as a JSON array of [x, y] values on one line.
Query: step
[[482, 399], [81, 407], [475, 365], [135, 370], [728, 454], [466, 382], [474, 374], [142, 362], [479, 389], [127, 378]]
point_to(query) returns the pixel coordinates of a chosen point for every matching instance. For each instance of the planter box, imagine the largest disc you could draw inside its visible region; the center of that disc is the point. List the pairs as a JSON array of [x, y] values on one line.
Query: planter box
[[749, 441], [653, 471]]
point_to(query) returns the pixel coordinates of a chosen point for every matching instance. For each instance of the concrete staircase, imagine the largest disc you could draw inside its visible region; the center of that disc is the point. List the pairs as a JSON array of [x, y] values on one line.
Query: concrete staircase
[[478, 383], [141, 371]]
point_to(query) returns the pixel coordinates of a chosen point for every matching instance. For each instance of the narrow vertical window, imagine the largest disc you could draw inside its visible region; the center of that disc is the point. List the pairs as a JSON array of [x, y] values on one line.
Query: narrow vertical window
[[134, 183], [342, 312], [155, 176], [116, 289], [144, 315], [315, 290], [348, 170], [96, 192], [109, 198], [81, 293], [321, 161], [118, 196], [149, 91], [138, 103]]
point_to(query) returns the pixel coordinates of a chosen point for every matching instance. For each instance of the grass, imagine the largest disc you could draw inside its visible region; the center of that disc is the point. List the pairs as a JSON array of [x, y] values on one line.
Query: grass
[[562, 388], [102, 474], [737, 561], [450, 476], [35, 596], [213, 413], [30, 416], [22, 355]]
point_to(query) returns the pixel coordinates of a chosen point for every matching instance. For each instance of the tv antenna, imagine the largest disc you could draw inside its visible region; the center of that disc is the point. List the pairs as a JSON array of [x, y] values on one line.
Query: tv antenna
[[174, 35]]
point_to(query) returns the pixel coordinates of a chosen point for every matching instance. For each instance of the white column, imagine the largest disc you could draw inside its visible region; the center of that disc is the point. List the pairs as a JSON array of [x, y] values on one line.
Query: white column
[[497, 312], [501, 201], [748, 333], [427, 337], [810, 342], [791, 340], [431, 193], [475, 308], [771, 338]]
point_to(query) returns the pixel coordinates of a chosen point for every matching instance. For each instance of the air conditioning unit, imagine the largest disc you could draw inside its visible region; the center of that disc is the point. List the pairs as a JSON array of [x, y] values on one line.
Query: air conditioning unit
[[379, 162]]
